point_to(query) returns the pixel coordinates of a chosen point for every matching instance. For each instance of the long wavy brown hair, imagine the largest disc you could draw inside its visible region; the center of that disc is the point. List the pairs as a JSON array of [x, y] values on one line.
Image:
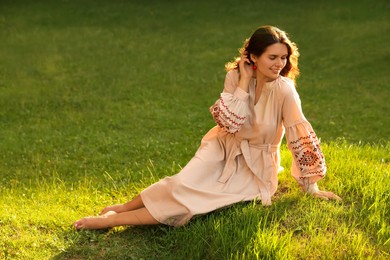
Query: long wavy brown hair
[[263, 37]]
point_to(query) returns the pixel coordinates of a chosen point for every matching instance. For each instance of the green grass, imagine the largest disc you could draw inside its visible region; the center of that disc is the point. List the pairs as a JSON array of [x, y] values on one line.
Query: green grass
[[99, 99]]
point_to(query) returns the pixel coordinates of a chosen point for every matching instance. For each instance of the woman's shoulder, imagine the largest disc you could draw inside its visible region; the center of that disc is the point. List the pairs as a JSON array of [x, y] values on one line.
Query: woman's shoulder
[[285, 86], [286, 83]]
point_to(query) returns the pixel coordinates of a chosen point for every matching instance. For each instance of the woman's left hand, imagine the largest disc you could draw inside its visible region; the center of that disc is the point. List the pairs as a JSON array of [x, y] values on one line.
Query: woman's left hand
[[326, 195]]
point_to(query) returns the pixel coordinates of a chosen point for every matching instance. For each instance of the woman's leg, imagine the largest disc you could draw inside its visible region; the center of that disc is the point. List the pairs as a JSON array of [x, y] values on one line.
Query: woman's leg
[[109, 219], [133, 204]]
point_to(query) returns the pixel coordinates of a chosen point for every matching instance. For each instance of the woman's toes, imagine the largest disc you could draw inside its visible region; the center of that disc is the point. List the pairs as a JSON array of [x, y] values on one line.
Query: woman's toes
[[99, 222]]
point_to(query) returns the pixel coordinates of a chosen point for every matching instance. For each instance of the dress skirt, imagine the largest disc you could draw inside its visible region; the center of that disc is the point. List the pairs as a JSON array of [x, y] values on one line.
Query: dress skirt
[[197, 188]]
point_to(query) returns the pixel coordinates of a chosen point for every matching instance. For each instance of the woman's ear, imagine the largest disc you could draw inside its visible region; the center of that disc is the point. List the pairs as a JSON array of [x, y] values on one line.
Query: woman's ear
[[253, 58]]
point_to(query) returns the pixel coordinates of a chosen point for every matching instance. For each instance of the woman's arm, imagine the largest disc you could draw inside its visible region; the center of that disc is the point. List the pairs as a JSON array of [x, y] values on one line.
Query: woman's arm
[[231, 109], [308, 165]]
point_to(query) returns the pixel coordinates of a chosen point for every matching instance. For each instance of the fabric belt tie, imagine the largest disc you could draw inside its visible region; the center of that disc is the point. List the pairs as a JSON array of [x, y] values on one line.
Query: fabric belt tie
[[235, 147]]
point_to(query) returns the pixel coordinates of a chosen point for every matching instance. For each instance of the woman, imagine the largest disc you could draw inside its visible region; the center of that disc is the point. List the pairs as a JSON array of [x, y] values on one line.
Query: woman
[[238, 160]]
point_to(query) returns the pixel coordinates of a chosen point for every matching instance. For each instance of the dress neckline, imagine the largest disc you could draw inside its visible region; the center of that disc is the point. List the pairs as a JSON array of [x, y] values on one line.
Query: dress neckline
[[267, 87]]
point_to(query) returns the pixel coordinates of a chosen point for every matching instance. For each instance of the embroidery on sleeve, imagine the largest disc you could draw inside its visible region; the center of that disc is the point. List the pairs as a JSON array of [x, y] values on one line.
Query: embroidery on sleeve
[[225, 118], [308, 156], [230, 112]]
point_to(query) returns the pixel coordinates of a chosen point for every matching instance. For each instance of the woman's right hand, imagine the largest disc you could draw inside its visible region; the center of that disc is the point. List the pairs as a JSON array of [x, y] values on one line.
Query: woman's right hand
[[245, 66], [246, 71]]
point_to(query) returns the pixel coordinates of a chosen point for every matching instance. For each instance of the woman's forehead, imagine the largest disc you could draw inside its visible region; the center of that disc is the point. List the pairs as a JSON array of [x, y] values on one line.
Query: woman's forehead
[[277, 49]]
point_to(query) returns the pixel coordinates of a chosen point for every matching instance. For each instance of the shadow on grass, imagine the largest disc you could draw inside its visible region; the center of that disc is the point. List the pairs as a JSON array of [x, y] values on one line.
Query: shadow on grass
[[198, 239], [116, 243]]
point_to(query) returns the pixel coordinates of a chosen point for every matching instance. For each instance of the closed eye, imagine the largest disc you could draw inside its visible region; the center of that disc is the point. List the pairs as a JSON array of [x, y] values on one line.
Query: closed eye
[[272, 57]]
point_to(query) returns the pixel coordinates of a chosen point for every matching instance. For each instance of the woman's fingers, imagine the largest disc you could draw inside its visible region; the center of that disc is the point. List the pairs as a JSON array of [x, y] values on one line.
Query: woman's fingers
[[244, 60], [335, 197], [326, 195], [320, 195]]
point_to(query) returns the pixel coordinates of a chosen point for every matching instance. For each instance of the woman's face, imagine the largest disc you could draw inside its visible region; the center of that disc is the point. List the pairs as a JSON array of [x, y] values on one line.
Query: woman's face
[[271, 62]]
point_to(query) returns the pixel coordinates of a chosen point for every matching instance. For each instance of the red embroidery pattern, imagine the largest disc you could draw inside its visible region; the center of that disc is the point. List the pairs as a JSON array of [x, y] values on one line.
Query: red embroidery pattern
[[228, 110], [308, 158], [301, 138], [226, 118], [308, 155], [312, 136]]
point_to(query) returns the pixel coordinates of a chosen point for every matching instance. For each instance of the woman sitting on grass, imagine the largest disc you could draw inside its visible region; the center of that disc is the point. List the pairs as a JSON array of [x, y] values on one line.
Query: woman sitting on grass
[[238, 160]]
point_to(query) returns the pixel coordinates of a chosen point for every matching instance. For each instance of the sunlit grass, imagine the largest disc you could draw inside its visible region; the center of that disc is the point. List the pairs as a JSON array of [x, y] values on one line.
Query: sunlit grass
[[100, 99], [38, 216]]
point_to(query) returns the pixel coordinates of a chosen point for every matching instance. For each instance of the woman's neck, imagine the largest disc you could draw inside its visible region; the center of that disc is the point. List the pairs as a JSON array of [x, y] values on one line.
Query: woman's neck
[[260, 81]]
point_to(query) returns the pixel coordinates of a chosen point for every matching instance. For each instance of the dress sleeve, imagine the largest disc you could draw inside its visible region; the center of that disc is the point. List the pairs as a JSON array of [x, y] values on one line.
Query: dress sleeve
[[231, 109], [308, 165]]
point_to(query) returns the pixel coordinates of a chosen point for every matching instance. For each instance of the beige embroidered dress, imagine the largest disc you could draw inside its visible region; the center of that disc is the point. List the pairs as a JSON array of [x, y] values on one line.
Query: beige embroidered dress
[[238, 160]]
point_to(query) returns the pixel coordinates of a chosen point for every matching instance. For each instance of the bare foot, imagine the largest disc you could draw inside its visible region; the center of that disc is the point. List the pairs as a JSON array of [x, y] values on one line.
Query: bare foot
[[99, 222], [116, 208]]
